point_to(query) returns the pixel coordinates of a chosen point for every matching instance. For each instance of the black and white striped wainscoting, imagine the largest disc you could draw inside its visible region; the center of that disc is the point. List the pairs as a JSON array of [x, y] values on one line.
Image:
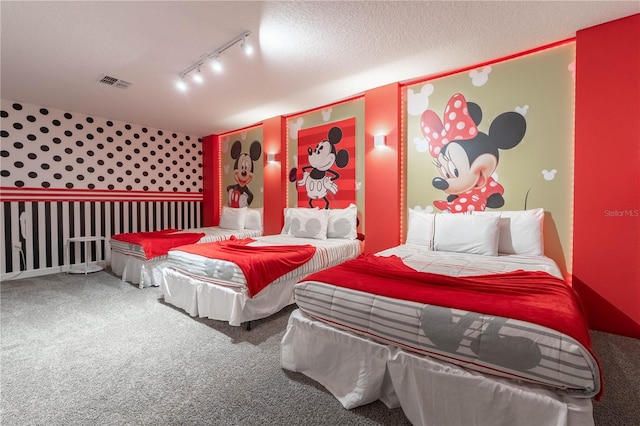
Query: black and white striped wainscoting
[[35, 233]]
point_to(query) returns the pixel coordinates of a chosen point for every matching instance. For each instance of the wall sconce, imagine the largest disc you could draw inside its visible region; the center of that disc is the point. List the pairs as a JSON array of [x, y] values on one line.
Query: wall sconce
[[379, 140], [271, 158], [216, 63]]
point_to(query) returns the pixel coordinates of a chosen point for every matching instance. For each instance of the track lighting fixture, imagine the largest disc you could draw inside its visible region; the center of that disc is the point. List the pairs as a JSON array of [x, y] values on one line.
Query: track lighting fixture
[[214, 56]]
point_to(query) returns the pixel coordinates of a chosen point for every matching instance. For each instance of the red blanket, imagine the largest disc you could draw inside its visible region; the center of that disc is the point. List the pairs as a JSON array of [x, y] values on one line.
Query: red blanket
[[261, 265], [536, 297], [158, 243]]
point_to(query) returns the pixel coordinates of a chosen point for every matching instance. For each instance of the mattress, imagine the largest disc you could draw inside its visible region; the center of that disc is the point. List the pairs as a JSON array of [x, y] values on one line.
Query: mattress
[[488, 344], [216, 289], [328, 253]]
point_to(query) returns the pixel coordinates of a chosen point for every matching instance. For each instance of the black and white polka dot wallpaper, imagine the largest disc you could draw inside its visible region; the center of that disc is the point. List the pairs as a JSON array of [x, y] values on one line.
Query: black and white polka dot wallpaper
[[65, 175], [50, 148]]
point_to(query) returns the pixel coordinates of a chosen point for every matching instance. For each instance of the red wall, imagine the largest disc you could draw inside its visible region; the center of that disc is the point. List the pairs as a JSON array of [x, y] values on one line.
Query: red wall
[[210, 180], [382, 176], [606, 243], [275, 179]]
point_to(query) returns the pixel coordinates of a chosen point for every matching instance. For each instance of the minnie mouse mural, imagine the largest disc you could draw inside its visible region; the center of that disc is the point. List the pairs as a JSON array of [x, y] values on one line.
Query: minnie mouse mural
[[465, 157]]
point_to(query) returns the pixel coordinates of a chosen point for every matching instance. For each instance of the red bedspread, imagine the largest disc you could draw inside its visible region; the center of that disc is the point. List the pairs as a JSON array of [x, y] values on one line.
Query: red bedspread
[[261, 265], [158, 243], [535, 297]]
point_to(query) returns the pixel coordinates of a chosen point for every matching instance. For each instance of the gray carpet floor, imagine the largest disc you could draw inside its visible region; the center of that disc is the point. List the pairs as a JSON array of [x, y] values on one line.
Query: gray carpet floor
[[93, 350]]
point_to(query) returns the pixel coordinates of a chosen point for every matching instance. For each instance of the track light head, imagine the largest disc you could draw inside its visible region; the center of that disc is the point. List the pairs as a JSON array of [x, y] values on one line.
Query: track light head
[[216, 64], [181, 84], [246, 47], [197, 77]]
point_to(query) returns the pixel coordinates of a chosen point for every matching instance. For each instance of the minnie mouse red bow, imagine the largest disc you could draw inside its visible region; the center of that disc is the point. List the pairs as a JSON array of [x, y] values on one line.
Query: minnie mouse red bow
[[458, 125]]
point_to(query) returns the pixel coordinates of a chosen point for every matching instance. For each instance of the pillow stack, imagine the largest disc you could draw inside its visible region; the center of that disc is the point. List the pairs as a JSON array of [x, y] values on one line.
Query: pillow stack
[[483, 233], [321, 224], [254, 219]]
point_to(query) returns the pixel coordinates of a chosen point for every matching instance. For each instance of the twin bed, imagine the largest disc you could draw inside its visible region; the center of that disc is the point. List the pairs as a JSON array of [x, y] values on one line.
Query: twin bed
[[242, 280], [218, 289], [467, 323], [138, 257]]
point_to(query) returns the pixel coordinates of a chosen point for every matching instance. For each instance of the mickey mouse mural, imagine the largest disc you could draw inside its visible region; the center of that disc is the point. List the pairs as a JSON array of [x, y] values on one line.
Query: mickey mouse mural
[[239, 194], [319, 178], [465, 157]]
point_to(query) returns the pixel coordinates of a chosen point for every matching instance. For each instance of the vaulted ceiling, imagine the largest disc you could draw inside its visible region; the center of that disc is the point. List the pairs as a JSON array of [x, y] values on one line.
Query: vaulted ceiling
[[306, 54]]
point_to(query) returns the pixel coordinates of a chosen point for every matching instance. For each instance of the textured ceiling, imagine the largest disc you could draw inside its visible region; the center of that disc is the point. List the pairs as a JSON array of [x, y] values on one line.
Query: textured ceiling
[[308, 54]]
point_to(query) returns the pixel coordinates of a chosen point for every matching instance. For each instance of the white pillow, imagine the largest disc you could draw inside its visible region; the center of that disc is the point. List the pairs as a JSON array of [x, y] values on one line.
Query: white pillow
[[309, 223], [420, 229], [233, 218], [287, 220], [287, 217], [253, 219], [343, 223], [521, 232], [463, 233]]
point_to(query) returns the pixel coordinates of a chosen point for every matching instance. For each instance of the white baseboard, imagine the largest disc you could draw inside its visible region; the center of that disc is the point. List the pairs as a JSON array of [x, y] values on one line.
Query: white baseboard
[[44, 271]]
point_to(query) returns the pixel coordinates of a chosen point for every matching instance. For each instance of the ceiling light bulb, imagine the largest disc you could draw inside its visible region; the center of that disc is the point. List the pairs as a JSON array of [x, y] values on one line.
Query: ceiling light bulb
[[246, 47], [197, 77], [216, 64], [182, 85]]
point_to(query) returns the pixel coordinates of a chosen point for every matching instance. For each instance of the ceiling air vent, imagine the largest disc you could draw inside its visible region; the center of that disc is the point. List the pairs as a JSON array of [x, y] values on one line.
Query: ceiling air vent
[[115, 82]]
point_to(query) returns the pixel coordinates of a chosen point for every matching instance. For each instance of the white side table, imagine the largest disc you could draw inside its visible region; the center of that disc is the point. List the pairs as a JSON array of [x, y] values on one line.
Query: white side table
[[94, 267]]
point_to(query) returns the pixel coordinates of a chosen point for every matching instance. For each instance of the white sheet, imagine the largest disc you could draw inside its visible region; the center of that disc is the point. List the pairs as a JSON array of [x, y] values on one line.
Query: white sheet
[[229, 300], [208, 300], [358, 371], [145, 273], [422, 259]]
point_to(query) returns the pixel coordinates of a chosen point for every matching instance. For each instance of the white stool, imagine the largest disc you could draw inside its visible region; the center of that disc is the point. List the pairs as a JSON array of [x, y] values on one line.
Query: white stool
[[94, 267]]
